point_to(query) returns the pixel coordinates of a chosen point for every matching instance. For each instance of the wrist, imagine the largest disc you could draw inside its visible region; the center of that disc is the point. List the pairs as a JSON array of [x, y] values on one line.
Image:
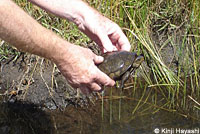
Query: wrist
[[72, 10], [60, 52], [78, 13]]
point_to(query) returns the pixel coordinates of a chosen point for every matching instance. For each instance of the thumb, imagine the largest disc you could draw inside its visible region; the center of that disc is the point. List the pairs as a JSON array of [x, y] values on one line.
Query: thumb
[[98, 59]]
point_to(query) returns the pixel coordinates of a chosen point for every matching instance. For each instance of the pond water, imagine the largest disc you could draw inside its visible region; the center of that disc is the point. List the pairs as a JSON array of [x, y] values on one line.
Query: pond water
[[113, 117]]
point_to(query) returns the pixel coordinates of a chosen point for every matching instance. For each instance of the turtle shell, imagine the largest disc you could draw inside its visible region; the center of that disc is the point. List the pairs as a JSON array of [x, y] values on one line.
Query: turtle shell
[[115, 64]]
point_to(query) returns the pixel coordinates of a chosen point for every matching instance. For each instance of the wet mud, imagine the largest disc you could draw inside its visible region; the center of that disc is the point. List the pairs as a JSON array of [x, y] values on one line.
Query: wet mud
[[35, 80]]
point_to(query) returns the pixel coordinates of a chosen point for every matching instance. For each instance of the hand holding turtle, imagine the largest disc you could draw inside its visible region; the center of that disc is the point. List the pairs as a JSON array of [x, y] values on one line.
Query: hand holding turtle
[[107, 34], [87, 77], [82, 72]]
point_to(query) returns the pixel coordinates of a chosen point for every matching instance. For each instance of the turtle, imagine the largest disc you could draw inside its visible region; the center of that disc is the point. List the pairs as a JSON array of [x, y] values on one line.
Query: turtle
[[118, 65]]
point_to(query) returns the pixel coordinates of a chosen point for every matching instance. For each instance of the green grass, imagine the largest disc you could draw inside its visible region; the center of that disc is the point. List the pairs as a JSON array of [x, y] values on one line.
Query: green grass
[[6, 52], [151, 27]]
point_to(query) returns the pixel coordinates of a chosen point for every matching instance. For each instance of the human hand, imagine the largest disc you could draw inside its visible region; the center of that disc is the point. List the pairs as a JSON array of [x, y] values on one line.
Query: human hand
[[107, 34], [80, 70]]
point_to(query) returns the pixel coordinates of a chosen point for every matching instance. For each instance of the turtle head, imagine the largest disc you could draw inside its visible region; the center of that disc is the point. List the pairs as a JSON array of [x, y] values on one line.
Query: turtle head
[[138, 61]]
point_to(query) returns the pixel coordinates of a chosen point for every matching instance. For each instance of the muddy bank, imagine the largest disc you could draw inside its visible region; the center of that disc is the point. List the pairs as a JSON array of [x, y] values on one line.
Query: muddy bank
[[36, 80]]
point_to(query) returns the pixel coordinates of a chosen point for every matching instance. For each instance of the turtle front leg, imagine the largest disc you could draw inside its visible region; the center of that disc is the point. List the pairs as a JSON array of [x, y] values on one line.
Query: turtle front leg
[[124, 79]]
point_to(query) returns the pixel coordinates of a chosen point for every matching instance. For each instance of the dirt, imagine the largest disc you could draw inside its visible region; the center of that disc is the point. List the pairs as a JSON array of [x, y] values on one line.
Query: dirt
[[34, 80]]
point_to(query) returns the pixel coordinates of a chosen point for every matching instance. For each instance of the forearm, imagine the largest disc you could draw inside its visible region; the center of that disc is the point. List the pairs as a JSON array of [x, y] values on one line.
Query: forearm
[[22, 31], [72, 10]]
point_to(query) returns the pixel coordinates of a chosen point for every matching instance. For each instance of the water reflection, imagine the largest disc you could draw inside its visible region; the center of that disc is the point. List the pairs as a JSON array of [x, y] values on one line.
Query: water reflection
[[90, 121], [20, 118]]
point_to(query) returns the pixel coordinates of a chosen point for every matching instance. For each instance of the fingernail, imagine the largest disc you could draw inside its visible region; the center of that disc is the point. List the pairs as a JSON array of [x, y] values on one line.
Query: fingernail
[[109, 48], [104, 51], [126, 47], [100, 58], [115, 49], [113, 83]]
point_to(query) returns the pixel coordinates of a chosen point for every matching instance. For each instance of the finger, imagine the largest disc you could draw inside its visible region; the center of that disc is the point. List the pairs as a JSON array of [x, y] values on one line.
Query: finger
[[123, 41], [125, 46], [95, 87], [103, 79], [104, 51], [117, 36], [98, 59], [105, 42]]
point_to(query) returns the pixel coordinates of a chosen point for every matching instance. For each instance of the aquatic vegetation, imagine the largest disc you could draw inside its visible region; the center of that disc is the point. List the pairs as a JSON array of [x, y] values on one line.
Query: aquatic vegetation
[[167, 33]]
